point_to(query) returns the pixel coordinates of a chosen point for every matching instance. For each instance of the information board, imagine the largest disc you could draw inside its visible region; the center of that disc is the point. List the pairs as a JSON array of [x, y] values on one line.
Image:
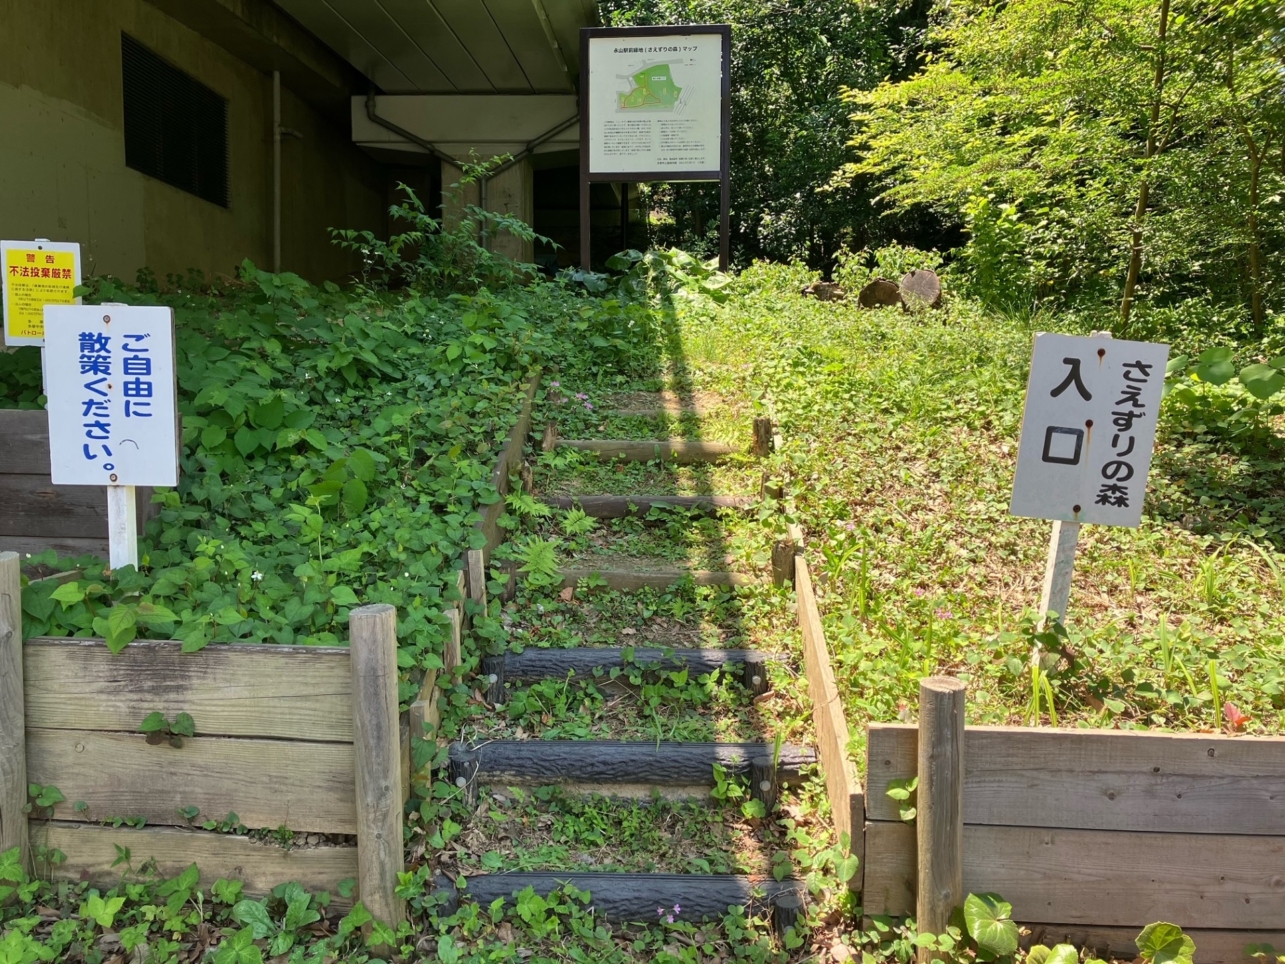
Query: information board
[[655, 104], [1088, 429], [109, 378], [36, 273]]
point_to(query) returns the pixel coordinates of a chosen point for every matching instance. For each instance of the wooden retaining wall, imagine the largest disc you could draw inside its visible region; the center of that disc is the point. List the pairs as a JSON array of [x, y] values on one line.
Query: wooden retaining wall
[[1092, 834], [35, 514], [277, 729]]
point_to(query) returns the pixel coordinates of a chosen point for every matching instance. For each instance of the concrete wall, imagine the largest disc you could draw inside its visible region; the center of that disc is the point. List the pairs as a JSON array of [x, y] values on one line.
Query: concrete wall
[[62, 154]]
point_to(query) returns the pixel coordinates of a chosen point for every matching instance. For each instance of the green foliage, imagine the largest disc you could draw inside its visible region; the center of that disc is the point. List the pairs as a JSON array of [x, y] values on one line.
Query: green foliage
[[903, 792], [1040, 127], [160, 730], [990, 923], [1164, 943], [448, 254]]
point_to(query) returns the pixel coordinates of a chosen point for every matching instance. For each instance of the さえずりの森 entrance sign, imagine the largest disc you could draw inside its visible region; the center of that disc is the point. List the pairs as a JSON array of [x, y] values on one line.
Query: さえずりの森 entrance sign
[[1088, 429], [1087, 433], [36, 273]]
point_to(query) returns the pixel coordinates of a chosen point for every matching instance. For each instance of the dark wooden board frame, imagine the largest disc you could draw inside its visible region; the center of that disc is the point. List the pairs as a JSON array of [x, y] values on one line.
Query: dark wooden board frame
[[722, 175]]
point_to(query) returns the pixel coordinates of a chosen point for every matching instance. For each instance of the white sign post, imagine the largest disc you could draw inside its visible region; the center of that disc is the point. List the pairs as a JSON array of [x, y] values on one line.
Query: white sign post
[[1087, 433], [113, 419]]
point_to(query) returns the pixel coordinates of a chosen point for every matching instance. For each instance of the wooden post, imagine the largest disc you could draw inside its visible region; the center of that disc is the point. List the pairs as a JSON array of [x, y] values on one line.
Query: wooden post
[[763, 781], [452, 652], [493, 679], [762, 438], [786, 911], [477, 577], [754, 674], [463, 773], [549, 441], [122, 526], [13, 724], [1058, 570], [940, 821], [372, 632], [783, 551]]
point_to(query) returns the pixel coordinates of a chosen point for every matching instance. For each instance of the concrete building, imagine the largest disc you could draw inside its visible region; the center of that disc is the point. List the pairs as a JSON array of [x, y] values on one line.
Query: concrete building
[[190, 134]]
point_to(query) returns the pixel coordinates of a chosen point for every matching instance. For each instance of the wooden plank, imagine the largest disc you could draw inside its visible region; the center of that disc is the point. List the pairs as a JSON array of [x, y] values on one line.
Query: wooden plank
[[375, 26], [24, 442], [1100, 878], [230, 689], [267, 783], [619, 506], [479, 34], [1212, 946], [33, 507], [635, 897], [65, 548], [91, 852], [506, 762], [630, 581], [509, 460], [842, 786], [1100, 779], [940, 820], [422, 22], [525, 36], [13, 746], [682, 451], [377, 759]]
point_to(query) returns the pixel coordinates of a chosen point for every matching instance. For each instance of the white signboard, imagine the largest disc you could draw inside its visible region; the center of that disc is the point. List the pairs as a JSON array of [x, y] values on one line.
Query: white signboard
[[656, 104], [1088, 429], [109, 378]]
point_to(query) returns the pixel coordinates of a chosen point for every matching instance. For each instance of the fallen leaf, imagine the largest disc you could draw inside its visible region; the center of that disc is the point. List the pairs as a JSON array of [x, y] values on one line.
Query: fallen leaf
[[629, 631], [567, 593]]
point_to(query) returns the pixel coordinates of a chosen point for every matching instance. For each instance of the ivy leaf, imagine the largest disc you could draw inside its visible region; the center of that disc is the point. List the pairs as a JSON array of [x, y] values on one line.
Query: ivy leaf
[[153, 722], [246, 440], [354, 496], [1214, 366], [344, 596], [1063, 954], [269, 414], [363, 466], [1262, 381], [121, 622], [184, 725], [988, 917], [254, 915], [213, 436], [69, 593], [1165, 943]]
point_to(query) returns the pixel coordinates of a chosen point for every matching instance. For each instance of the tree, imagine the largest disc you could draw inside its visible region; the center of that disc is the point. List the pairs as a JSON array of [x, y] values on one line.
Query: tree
[[789, 63], [1085, 144]]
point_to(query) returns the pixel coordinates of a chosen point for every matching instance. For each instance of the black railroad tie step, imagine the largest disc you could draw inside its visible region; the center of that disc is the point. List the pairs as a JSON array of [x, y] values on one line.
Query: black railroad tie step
[[583, 661], [630, 898], [620, 506], [656, 763]]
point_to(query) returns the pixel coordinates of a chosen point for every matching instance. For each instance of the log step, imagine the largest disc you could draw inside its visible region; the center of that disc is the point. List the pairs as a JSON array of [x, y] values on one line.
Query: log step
[[684, 452], [633, 898], [582, 661], [655, 763], [628, 580], [619, 506]]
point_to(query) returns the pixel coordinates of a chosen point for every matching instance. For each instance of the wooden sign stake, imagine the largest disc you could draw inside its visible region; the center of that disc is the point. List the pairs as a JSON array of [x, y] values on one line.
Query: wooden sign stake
[[122, 526], [1058, 570]]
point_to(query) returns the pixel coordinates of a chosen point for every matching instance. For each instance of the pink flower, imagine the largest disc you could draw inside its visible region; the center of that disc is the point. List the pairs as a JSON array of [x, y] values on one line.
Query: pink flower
[[660, 912], [555, 384], [677, 909], [669, 919], [581, 395], [588, 407], [920, 592], [944, 613]]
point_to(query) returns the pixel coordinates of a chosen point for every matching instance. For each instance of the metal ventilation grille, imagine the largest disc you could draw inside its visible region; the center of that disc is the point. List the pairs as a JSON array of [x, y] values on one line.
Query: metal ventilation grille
[[176, 128]]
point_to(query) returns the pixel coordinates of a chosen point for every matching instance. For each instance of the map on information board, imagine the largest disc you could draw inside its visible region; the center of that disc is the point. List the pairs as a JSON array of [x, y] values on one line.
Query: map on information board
[[655, 104]]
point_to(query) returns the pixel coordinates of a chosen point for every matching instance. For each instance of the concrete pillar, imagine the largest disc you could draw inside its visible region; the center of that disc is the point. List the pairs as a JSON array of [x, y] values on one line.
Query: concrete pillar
[[511, 192]]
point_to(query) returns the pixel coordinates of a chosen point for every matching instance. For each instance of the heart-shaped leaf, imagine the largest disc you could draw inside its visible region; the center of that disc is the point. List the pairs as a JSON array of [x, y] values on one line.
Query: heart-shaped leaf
[[1262, 381], [1063, 954], [1165, 943], [1214, 366], [988, 917]]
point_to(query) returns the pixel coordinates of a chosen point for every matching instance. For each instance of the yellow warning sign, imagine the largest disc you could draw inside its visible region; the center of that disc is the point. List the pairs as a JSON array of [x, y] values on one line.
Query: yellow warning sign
[[36, 275]]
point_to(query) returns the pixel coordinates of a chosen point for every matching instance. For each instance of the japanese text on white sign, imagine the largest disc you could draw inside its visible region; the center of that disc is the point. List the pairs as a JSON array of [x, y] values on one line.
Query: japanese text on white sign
[[109, 377], [1088, 429], [655, 104]]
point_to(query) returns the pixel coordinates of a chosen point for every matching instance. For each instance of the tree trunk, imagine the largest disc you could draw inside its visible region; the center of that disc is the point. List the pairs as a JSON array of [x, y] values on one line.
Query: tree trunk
[[1144, 189], [1255, 258]]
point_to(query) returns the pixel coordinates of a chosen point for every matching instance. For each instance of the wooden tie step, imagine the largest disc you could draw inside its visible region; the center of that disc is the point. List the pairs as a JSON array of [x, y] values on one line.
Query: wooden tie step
[[619, 506], [682, 451], [583, 661], [657, 762], [629, 580], [634, 898]]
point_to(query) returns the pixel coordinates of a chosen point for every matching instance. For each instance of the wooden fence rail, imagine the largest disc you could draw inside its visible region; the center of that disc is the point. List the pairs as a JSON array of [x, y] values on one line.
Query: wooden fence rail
[[1093, 834]]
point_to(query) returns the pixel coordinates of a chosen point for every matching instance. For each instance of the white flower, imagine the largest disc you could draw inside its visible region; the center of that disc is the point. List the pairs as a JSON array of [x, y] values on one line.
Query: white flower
[[256, 576], [406, 575]]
